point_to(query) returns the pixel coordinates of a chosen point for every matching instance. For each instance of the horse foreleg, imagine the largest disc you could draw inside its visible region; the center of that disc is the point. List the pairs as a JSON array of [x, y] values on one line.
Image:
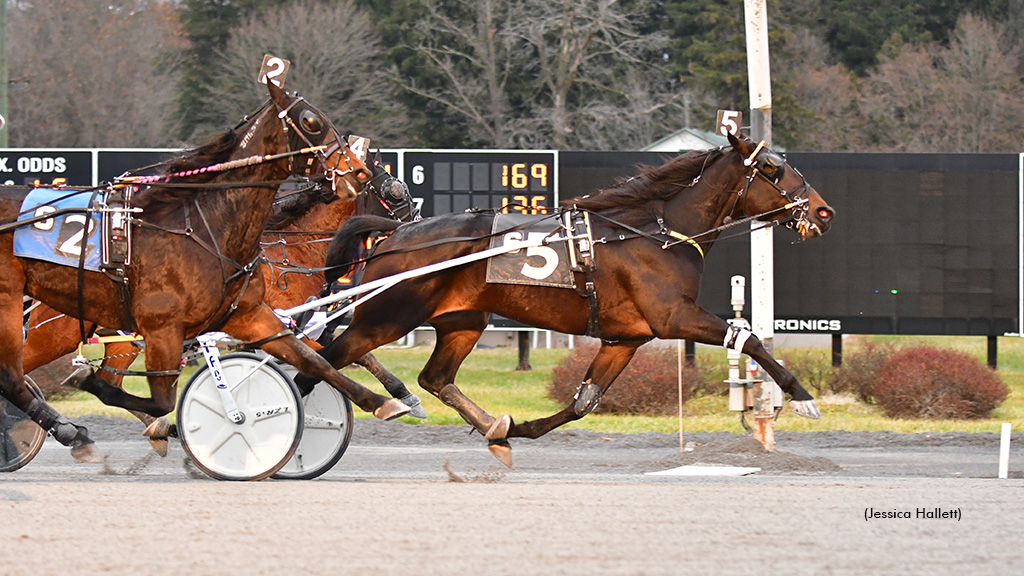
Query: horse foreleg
[[611, 359], [119, 356], [392, 384], [699, 325], [12, 379], [261, 321], [107, 386]]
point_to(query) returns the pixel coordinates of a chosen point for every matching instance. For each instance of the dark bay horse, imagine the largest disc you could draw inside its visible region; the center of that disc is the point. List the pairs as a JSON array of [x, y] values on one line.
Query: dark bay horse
[[294, 248], [648, 236], [195, 264]]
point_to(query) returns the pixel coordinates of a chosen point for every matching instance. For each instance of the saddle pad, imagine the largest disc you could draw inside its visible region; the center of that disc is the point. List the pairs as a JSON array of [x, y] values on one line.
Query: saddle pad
[[546, 265], [59, 239]]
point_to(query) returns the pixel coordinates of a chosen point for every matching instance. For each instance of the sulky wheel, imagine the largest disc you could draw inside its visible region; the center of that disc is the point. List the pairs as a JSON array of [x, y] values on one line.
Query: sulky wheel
[[20, 437], [258, 446], [325, 435]]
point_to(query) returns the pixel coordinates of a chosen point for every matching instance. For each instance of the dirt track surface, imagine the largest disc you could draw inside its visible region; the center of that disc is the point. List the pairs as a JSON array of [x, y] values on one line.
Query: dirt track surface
[[431, 500]]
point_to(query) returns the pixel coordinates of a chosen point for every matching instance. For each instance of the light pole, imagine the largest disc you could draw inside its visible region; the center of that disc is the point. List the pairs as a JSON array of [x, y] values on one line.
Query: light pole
[[4, 84]]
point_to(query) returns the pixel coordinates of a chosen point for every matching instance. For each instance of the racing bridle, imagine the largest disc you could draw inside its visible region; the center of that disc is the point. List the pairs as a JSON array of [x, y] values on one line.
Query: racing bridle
[[770, 167], [306, 127]]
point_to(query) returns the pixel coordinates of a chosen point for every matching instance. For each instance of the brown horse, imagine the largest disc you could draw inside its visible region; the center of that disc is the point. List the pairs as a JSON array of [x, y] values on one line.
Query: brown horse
[[195, 263], [637, 271], [294, 249]]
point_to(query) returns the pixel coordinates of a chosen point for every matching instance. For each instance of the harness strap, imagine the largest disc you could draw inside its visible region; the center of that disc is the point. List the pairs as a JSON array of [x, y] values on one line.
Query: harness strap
[[683, 238], [259, 343], [593, 329], [147, 373], [81, 265]]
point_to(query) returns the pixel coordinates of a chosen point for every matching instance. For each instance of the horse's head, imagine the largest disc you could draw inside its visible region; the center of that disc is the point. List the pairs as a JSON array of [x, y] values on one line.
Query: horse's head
[[386, 195], [778, 191], [323, 150]]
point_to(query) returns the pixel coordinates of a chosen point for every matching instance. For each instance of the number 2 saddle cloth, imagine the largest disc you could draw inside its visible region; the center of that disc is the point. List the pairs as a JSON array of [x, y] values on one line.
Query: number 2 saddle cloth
[[550, 264], [59, 239]]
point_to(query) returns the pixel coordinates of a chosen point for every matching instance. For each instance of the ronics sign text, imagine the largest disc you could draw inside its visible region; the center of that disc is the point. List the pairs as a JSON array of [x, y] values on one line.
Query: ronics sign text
[[812, 325]]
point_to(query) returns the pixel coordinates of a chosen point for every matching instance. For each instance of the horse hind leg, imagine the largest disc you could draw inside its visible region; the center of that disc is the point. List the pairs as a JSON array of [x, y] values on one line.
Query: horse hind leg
[[393, 385], [457, 334], [611, 359]]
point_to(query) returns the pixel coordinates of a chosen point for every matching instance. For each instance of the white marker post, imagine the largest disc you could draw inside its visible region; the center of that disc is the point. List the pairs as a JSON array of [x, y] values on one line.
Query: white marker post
[[762, 269], [1004, 451]]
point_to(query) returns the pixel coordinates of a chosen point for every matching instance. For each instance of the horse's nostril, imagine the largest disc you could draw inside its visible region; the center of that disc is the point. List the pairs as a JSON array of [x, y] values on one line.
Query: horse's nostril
[[825, 213]]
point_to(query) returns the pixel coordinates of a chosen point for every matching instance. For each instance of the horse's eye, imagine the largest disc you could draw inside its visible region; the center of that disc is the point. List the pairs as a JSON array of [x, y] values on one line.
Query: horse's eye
[[311, 123]]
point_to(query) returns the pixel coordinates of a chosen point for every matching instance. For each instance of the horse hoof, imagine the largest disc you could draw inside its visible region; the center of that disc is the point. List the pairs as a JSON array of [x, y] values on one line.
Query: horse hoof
[[805, 408], [415, 406], [390, 410], [159, 428], [502, 451], [87, 454], [159, 445], [499, 430]]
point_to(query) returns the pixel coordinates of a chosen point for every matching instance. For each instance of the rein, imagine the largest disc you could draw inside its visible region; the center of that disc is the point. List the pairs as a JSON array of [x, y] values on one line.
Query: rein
[[219, 167], [443, 241]]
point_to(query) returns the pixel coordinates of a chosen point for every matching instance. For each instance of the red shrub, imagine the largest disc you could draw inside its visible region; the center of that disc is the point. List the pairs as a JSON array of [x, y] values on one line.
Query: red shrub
[[926, 382], [857, 374], [648, 385]]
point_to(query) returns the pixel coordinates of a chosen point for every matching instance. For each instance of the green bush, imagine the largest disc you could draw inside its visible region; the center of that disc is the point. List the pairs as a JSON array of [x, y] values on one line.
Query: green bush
[[927, 382], [649, 384], [811, 366]]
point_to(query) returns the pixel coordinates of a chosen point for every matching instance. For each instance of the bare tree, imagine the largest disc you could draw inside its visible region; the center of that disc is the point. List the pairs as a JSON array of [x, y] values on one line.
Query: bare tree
[[334, 63], [823, 97], [93, 73], [536, 73], [964, 98], [472, 46]]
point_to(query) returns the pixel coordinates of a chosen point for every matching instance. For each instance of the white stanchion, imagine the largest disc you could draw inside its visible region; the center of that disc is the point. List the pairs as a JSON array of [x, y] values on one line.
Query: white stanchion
[[1004, 451]]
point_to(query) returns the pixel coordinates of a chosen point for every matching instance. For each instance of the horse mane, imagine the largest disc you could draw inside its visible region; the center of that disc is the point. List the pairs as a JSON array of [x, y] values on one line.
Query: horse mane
[[636, 199], [289, 208], [217, 148]]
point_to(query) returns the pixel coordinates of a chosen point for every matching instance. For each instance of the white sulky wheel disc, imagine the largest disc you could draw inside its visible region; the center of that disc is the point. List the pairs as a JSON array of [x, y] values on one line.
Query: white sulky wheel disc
[[20, 437], [255, 448], [325, 434]]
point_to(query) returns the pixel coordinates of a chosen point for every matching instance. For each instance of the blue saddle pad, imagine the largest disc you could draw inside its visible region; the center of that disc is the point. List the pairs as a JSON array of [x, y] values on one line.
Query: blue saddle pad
[[59, 239]]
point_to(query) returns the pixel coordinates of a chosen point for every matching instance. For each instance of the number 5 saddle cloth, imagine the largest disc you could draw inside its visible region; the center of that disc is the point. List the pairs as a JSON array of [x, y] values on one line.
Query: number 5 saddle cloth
[[545, 265]]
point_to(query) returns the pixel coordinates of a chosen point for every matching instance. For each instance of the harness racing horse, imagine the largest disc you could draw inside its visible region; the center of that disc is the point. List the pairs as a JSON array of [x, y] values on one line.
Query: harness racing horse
[[638, 269], [195, 262], [294, 249]]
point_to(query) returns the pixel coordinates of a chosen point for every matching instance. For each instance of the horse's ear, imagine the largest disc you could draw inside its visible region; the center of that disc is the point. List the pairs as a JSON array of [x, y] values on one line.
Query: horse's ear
[[741, 143], [278, 95], [734, 141]]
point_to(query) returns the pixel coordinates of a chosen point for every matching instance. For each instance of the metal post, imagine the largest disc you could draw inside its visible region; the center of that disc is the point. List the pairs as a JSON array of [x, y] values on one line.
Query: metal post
[[524, 351], [993, 352], [762, 273], [837, 350], [4, 79]]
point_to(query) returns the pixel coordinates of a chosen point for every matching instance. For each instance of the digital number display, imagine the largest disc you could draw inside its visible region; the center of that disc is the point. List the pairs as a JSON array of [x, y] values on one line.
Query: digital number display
[[511, 182]]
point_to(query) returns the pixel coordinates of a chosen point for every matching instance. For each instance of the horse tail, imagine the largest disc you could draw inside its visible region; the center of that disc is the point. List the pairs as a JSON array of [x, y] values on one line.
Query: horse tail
[[349, 241]]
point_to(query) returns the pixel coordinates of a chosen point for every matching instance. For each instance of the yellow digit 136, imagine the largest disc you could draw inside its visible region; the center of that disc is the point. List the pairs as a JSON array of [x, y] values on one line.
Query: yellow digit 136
[[524, 205]]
